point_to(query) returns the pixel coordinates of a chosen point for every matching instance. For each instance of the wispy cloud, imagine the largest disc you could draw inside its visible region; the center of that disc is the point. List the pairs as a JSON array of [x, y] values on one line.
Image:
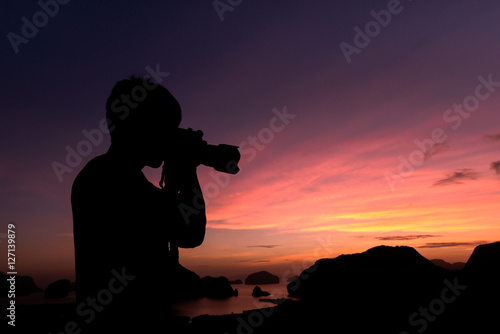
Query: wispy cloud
[[493, 137], [251, 261], [435, 149], [495, 165], [218, 221], [457, 177], [452, 244], [264, 246], [407, 237]]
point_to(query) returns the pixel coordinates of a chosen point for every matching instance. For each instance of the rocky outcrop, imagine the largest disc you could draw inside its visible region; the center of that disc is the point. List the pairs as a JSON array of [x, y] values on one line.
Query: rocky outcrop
[[185, 284], [58, 289], [258, 292], [262, 277], [380, 272], [182, 283], [217, 287], [484, 260]]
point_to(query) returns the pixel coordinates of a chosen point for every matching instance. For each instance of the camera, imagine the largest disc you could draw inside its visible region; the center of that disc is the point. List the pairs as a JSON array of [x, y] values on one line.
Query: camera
[[223, 158]]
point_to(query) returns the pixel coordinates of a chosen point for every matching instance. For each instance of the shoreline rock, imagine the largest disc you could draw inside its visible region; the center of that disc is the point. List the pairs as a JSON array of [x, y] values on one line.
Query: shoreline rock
[[58, 289], [217, 287], [258, 292]]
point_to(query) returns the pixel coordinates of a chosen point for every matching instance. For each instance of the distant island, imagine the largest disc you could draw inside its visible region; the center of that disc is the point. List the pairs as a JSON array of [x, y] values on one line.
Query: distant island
[[262, 277], [450, 266]]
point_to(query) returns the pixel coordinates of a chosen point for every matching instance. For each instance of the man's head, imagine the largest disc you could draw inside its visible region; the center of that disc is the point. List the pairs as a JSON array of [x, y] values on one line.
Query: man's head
[[141, 116]]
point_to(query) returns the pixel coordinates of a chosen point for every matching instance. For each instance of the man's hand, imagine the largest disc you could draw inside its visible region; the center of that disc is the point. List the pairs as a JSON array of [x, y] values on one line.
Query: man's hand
[[181, 183], [183, 157]]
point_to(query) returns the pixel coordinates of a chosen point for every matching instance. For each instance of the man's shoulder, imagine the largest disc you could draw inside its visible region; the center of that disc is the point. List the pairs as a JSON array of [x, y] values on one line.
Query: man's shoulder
[[96, 168], [97, 164]]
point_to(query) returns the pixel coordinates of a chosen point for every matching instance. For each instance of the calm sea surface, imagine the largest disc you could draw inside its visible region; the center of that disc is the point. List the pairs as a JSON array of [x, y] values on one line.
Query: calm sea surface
[[192, 308], [243, 302]]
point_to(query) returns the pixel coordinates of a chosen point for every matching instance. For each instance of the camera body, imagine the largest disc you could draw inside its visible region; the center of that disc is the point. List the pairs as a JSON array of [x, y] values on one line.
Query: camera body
[[223, 158]]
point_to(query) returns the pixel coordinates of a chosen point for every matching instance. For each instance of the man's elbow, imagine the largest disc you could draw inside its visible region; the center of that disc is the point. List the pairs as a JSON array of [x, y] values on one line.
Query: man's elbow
[[194, 237], [192, 242]]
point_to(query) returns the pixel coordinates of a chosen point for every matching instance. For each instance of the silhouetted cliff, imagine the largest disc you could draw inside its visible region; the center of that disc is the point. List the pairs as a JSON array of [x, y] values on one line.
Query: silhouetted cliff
[[379, 272], [484, 261]]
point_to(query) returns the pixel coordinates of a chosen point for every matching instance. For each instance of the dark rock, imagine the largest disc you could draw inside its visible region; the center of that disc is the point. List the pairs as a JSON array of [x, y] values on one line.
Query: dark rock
[[183, 284], [58, 289], [238, 281], [482, 272], [257, 292], [217, 287], [262, 277], [380, 272], [485, 260]]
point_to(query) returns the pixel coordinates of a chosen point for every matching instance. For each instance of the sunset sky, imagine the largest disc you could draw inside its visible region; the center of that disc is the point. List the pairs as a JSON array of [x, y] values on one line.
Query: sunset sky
[[394, 142]]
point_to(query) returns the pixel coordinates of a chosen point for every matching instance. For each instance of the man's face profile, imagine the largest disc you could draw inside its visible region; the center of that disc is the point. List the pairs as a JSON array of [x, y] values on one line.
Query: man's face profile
[[159, 132]]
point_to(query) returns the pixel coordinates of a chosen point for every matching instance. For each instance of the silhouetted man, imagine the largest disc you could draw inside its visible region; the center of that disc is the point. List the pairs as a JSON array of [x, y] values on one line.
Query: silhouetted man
[[122, 223]]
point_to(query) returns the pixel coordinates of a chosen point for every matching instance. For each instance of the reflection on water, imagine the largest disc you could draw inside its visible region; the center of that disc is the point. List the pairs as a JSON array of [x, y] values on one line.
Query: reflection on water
[[243, 302], [192, 308]]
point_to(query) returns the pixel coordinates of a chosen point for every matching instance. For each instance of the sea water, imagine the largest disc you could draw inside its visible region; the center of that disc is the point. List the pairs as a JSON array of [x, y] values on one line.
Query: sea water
[[191, 308], [243, 302]]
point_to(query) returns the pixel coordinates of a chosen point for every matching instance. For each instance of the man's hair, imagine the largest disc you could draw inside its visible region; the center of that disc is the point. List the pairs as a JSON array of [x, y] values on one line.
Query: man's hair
[[138, 105]]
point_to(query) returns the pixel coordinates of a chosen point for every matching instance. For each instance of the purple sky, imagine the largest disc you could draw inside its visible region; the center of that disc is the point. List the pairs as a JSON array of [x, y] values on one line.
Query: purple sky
[[228, 77]]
